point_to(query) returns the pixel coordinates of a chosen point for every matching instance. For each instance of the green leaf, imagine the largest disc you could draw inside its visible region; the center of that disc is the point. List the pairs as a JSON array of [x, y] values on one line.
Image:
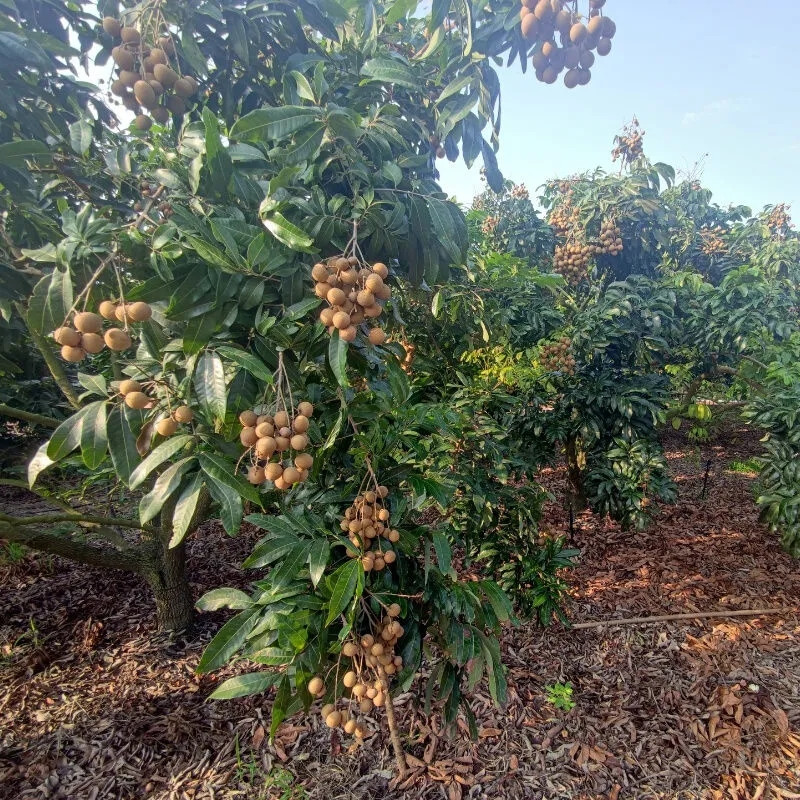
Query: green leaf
[[230, 503], [185, 509], [94, 440], [245, 685], [96, 384], [286, 232], [254, 365], [50, 302], [290, 566], [121, 443], [274, 123], [344, 582], [67, 436], [436, 304], [230, 638], [224, 598], [80, 136], [16, 154], [390, 70], [318, 559], [162, 453], [337, 358], [209, 386], [223, 471], [217, 159], [166, 483], [38, 464], [444, 554]]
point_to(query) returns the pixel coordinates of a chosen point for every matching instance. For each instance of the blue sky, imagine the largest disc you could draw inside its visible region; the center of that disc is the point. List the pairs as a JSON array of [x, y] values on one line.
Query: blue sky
[[711, 82]]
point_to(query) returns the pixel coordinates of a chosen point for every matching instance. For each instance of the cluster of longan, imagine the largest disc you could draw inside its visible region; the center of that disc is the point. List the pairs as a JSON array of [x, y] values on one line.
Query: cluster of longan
[[610, 238], [135, 397], [87, 334], [354, 291], [373, 662], [281, 434], [489, 224], [629, 145], [563, 217], [572, 260], [145, 78], [557, 356], [366, 522], [778, 220], [520, 192], [540, 20], [711, 241]]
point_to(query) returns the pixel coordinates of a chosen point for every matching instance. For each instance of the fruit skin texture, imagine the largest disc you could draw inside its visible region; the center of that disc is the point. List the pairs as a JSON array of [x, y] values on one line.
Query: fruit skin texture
[[67, 336], [166, 426], [72, 354], [248, 419], [87, 322], [108, 309], [316, 685], [305, 408], [143, 123], [139, 311], [112, 26], [130, 35], [117, 340], [92, 343], [136, 400], [128, 386], [183, 414], [377, 336]]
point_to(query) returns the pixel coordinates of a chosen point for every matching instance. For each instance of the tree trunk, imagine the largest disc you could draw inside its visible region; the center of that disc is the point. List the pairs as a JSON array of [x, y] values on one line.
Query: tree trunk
[[576, 461], [166, 577]]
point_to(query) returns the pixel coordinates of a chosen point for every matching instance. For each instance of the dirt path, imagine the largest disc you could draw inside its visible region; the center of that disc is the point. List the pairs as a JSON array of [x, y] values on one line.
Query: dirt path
[[94, 705]]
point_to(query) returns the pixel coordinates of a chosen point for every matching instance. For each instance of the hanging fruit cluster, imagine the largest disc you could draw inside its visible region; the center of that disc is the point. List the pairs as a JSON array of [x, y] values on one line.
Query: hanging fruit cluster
[[85, 335], [629, 145], [489, 224], [275, 436], [711, 241], [579, 35], [135, 397], [354, 291], [572, 260], [557, 356], [148, 80], [778, 220], [610, 238], [367, 523], [372, 662]]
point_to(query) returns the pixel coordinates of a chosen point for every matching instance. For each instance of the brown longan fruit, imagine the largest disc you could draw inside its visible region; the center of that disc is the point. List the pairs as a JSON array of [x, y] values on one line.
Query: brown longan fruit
[[336, 297], [348, 334], [394, 536], [374, 283], [306, 409], [264, 429], [183, 414], [183, 88], [316, 685], [117, 340], [144, 93], [394, 610], [326, 315], [319, 272], [166, 426], [543, 10], [160, 114], [578, 32], [300, 424], [529, 26], [137, 400], [248, 419], [123, 58], [143, 123], [383, 491], [365, 706], [381, 269], [266, 446], [112, 26], [108, 309], [587, 59], [333, 719], [350, 679], [92, 343], [350, 726], [281, 419], [248, 436], [67, 336], [304, 462], [176, 105], [326, 709], [349, 649], [130, 35], [571, 78], [87, 322], [282, 444], [349, 277], [609, 28], [255, 475], [390, 557], [273, 471], [138, 312], [72, 354], [128, 386], [299, 441], [341, 320], [291, 475], [165, 75], [604, 46]]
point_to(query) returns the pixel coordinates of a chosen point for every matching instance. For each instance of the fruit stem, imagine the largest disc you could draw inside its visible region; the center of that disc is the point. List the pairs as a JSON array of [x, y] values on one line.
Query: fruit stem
[[394, 733]]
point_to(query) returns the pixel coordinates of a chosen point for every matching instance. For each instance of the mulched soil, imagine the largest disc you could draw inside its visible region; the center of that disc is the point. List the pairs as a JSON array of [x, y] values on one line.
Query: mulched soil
[[94, 704]]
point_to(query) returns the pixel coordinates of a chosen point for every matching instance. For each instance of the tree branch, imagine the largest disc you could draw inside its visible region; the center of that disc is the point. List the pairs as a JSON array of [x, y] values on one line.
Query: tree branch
[[75, 516], [28, 416]]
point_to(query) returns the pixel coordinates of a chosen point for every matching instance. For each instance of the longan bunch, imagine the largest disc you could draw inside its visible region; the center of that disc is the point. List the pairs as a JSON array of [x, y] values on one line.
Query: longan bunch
[[367, 523], [146, 80], [354, 291], [372, 663], [520, 192], [275, 442], [778, 221], [135, 397], [572, 260], [557, 356], [563, 217], [629, 145], [711, 241], [610, 238], [489, 224], [579, 36]]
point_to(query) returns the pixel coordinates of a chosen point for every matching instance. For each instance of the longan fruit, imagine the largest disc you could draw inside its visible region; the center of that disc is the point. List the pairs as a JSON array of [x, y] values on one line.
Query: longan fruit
[[92, 342], [300, 424], [350, 726], [129, 78], [379, 268], [112, 26], [166, 426], [299, 441], [138, 312], [143, 123], [365, 706], [282, 444], [304, 461], [327, 709], [117, 340], [281, 419], [248, 419], [604, 46], [336, 297], [136, 400], [390, 557], [248, 436], [273, 471], [326, 316], [130, 35], [108, 309], [72, 354], [128, 386], [377, 336], [349, 334], [265, 445], [176, 105], [373, 311], [529, 25], [349, 277], [67, 336], [379, 699], [291, 475], [286, 432], [87, 322], [144, 93], [394, 610], [394, 536], [264, 429], [165, 75], [350, 679], [183, 88], [333, 719], [183, 414], [366, 298], [123, 58], [306, 409], [316, 685], [349, 649], [341, 320]]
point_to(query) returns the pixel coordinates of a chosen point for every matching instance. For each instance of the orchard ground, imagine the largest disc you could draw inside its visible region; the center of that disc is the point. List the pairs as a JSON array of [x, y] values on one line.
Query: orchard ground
[[94, 704]]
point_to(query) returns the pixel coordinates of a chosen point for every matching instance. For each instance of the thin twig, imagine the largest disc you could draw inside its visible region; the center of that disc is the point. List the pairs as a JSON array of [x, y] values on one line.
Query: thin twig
[[756, 612]]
